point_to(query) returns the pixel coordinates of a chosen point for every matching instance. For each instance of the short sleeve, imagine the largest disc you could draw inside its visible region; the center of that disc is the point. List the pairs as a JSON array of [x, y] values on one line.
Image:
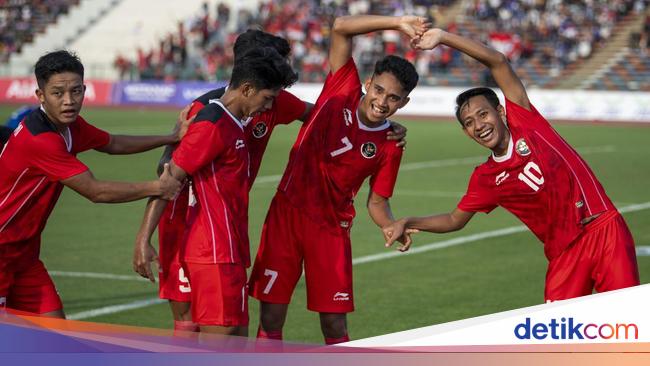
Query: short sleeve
[[201, 144], [345, 81], [195, 107], [520, 118], [477, 198], [86, 136], [53, 159], [289, 108], [383, 182]]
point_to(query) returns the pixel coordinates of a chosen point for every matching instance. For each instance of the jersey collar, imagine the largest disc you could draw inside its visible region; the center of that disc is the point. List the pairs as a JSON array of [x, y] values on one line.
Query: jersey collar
[[239, 123], [67, 136], [381, 127], [508, 155]]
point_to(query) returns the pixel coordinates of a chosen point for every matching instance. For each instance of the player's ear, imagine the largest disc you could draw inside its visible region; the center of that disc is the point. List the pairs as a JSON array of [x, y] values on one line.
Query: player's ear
[[404, 102], [502, 112], [247, 89], [367, 84], [40, 95]]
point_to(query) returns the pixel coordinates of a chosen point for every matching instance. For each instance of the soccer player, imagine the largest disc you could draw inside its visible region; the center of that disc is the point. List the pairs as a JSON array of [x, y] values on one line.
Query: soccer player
[[533, 173], [37, 161], [342, 143], [214, 153], [173, 283]]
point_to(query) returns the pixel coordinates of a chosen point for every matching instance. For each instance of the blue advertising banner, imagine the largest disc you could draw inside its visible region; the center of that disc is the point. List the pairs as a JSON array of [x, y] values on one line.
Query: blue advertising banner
[[157, 93]]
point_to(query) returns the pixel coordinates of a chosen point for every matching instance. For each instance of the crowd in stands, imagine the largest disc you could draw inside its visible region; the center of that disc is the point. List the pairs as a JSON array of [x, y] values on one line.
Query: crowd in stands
[[550, 33], [20, 20], [200, 47], [640, 40]]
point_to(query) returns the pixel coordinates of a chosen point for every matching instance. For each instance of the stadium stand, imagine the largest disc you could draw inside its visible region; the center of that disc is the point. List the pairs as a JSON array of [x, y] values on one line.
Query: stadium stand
[[630, 69], [545, 40], [551, 43], [61, 34], [20, 20]]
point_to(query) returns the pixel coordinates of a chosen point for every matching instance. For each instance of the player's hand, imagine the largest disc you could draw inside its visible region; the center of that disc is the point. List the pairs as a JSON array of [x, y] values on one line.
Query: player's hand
[[143, 255], [429, 40], [398, 231], [169, 185], [183, 123], [413, 26], [397, 133]]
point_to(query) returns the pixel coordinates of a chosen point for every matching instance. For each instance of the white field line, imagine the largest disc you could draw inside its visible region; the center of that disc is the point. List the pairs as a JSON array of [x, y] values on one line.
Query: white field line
[[115, 309], [356, 261], [101, 276], [643, 251], [451, 162]]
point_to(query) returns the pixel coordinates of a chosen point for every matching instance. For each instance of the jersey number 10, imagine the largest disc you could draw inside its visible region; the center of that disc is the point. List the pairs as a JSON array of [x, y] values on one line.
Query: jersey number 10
[[532, 179]]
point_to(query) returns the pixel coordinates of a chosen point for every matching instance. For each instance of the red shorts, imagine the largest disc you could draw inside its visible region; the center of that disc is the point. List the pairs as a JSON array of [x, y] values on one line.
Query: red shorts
[[25, 284], [172, 280], [218, 294], [288, 238], [603, 257]]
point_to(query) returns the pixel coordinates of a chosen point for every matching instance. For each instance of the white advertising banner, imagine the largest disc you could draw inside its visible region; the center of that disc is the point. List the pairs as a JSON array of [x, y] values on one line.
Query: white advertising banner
[[612, 317], [565, 105]]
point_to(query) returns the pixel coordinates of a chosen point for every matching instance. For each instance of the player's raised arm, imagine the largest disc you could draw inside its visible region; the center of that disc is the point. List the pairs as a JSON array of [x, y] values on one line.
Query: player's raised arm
[[346, 27], [503, 74], [124, 144], [442, 223]]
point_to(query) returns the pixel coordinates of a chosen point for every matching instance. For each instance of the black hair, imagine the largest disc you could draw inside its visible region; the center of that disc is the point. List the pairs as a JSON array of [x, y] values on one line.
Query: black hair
[[5, 133], [465, 96], [254, 38], [263, 68], [403, 71], [57, 62]]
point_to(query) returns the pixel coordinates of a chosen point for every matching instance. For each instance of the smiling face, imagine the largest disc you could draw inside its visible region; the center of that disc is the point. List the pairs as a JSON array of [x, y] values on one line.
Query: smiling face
[[484, 124], [385, 95], [62, 97]]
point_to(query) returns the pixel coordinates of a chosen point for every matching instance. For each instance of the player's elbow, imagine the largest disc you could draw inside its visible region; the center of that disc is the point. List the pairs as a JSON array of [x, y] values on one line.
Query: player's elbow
[[340, 23], [96, 197], [455, 226], [94, 193], [498, 59]]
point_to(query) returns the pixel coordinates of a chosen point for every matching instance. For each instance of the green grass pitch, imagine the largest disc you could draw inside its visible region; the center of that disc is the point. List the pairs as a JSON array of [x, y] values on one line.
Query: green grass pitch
[[393, 294]]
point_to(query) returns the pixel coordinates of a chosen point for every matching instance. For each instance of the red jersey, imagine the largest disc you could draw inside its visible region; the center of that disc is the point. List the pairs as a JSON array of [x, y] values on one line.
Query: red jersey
[[334, 153], [286, 109], [34, 161], [214, 153], [541, 180]]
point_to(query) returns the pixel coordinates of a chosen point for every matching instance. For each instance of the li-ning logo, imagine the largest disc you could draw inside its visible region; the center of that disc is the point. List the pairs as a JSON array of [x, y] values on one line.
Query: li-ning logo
[[341, 296], [347, 116], [501, 177], [568, 328], [239, 144]]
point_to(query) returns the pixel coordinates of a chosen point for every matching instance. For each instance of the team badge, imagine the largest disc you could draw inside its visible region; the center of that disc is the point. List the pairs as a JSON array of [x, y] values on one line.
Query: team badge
[[260, 129], [347, 116], [368, 150], [522, 147]]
